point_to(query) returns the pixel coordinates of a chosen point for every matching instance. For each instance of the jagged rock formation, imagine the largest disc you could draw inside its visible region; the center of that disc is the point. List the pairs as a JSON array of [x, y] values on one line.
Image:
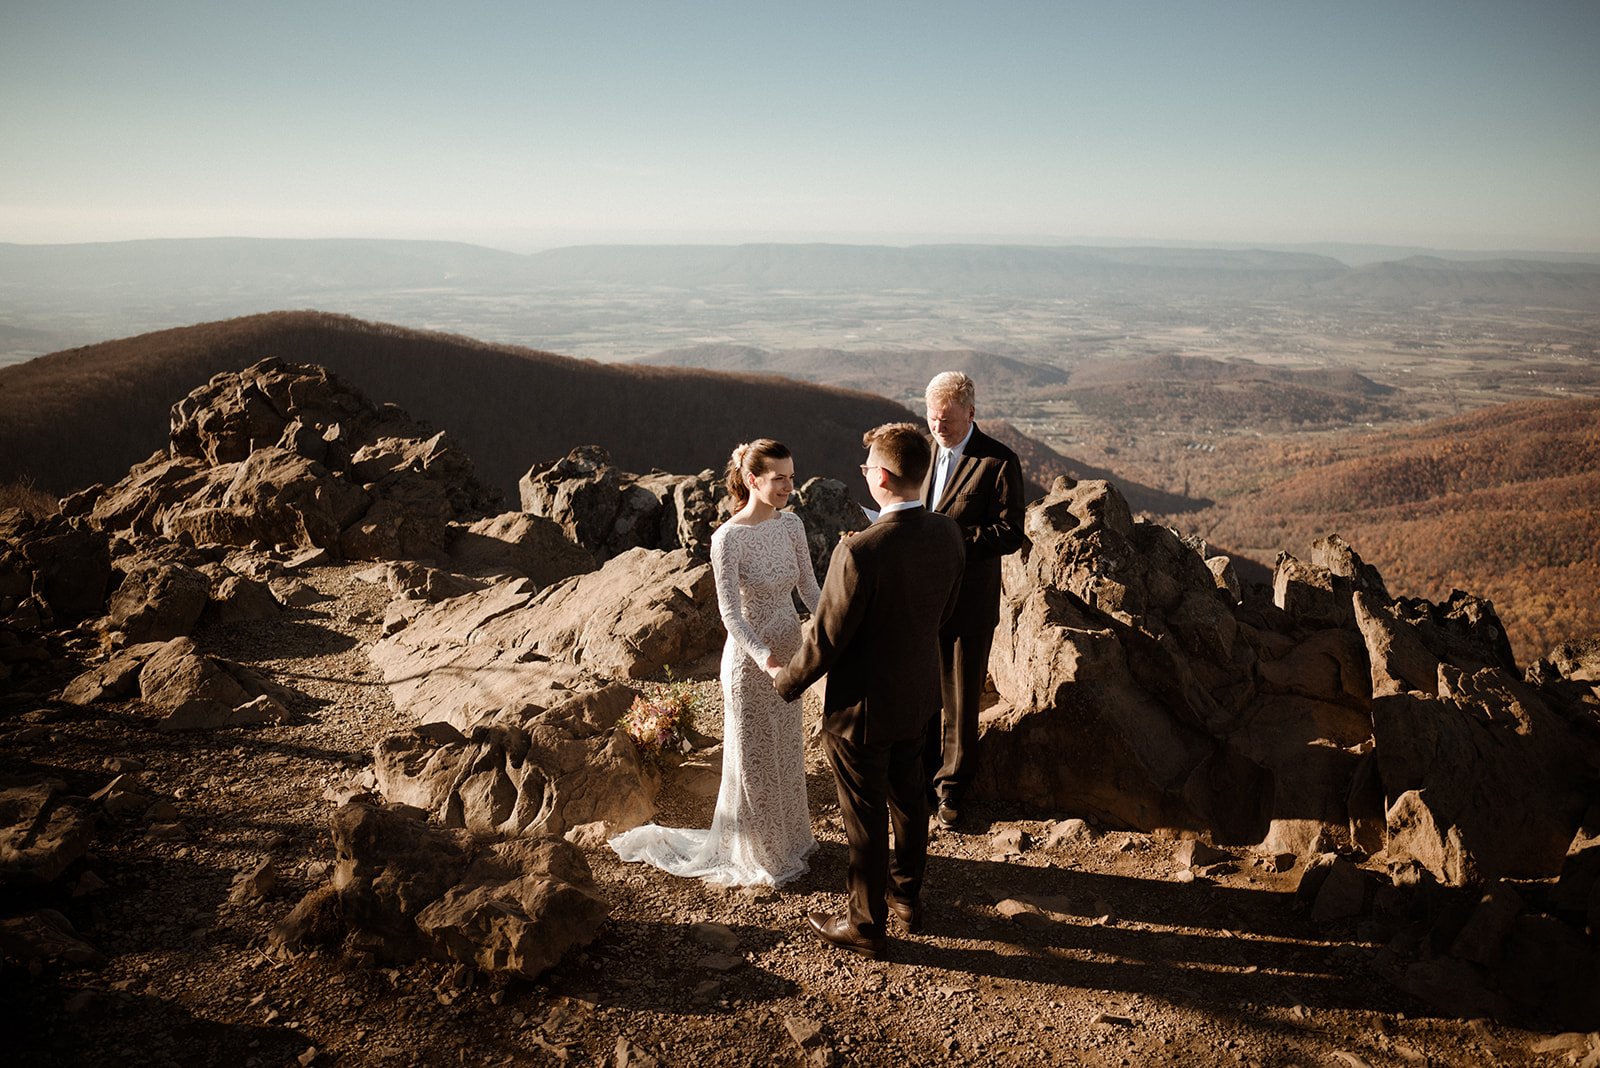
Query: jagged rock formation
[[1138, 689], [402, 889], [284, 454], [556, 771], [500, 650], [608, 511]]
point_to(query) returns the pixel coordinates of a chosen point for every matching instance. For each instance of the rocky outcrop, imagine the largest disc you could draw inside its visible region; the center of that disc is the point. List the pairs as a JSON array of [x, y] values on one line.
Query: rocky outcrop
[[1322, 714], [553, 772], [289, 454], [825, 507], [519, 543], [402, 889], [190, 690], [53, 573], [43, 830], [607, 511], [511, 647]]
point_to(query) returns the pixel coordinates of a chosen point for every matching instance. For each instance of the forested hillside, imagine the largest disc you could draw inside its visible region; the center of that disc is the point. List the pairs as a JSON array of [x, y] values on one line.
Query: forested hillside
[[84, 415], [1504, 501]]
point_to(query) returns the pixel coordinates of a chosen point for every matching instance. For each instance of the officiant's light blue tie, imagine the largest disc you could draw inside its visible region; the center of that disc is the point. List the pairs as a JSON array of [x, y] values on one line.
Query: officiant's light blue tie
[[941, 476]]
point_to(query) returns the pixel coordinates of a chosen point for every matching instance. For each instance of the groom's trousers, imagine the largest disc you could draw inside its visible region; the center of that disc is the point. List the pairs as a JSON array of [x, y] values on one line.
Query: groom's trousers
[[881, 785]]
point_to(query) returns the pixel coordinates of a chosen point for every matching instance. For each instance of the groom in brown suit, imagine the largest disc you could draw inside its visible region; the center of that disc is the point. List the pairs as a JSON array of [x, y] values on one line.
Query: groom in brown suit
[[976, 481], [875, 635]]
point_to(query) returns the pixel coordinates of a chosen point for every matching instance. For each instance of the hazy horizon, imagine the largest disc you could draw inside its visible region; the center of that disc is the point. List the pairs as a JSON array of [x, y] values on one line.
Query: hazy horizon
[[1436, 125]]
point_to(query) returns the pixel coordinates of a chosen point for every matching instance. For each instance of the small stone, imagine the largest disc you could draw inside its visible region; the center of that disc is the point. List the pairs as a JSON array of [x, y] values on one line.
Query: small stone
[[716, 935], [1193, 853], [254, 884], [1185, 875], [88, 883], [161, 812], [1065, 831], [631, 1055], [805, 1032], [1010, 841], [1106, 1019], [306, 1058], [720, 962]]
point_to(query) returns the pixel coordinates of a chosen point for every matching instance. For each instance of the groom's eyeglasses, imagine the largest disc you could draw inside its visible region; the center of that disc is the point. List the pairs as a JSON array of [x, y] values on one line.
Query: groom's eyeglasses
[[868, 467]]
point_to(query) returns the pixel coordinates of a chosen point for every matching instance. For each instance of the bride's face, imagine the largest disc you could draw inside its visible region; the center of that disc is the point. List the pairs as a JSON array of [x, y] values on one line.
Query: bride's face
[[773, 486]]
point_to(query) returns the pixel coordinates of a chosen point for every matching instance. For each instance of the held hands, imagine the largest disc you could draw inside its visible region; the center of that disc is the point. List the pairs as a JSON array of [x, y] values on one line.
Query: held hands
[[773, 666]]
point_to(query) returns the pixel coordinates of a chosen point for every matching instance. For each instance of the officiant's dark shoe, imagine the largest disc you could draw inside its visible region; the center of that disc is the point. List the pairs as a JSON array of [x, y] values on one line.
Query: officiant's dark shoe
[[948, 815], [908, 913], [839, 931]]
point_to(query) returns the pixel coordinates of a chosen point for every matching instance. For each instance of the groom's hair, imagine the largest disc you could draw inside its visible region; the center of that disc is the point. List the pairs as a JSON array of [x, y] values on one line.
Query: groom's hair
[[905, 451]]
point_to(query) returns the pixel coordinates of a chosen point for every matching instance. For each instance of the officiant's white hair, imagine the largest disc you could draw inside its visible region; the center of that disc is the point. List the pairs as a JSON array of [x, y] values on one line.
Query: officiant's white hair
[[953, 386]]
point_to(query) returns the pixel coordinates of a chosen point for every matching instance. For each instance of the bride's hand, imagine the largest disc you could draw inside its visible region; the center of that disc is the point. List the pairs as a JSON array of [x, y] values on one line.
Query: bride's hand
[[774, 665]]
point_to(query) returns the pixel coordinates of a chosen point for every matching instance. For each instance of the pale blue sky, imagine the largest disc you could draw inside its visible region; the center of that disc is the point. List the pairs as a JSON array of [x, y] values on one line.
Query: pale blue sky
[[1454, 124]]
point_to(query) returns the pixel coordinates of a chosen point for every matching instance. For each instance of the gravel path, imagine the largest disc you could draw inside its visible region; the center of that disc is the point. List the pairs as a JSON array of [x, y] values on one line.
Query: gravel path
[[1090, 951]]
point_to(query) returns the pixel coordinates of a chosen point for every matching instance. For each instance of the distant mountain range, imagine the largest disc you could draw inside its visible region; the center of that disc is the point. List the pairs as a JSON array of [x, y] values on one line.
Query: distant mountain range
[[170, 282], [288, 266]]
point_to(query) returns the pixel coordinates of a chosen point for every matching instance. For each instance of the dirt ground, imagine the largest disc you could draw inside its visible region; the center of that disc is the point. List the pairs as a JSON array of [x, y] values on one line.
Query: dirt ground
[[1091, 951]]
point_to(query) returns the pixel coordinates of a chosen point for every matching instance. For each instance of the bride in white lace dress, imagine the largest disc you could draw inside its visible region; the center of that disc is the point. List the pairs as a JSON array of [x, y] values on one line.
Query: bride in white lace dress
[[760, 834]]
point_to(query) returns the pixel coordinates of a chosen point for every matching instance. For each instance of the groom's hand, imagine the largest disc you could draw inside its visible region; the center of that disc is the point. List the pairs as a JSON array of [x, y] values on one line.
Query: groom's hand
[[774, 666]]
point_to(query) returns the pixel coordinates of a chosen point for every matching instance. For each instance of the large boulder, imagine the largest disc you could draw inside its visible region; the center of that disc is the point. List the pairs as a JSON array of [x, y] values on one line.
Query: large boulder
[[43, 831], [114, 680], [510, 648], [403, 889], [194, 691], [552, 773], [607, 511], [641, 613], [1116, 650], [519, 543], [288, 454], [158, 602], [70, 568], [518, 909], [826, 508], [1488, 782]]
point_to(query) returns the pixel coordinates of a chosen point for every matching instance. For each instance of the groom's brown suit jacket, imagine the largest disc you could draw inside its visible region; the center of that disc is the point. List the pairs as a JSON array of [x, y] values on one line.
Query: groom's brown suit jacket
[[875, 633]]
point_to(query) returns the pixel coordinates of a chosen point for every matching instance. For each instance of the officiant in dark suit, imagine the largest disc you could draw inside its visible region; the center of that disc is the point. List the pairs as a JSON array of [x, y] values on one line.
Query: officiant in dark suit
[[976, 481], [875, 634]]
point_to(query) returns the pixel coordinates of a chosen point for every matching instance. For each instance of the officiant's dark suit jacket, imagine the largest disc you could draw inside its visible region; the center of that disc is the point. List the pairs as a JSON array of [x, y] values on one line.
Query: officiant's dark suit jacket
[[984, 495], [875, 632]]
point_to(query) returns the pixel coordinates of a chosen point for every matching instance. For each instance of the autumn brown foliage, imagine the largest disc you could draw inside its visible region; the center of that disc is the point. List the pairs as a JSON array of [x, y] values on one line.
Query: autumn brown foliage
[[1503, 502], [85, 415]]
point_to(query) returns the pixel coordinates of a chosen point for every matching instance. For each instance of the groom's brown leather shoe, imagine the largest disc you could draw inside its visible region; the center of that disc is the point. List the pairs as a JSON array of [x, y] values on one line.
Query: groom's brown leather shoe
[[838, 931], [907, 912]]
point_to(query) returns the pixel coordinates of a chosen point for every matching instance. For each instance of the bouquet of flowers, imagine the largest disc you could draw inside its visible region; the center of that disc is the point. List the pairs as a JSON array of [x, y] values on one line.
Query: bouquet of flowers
[[661, 721]]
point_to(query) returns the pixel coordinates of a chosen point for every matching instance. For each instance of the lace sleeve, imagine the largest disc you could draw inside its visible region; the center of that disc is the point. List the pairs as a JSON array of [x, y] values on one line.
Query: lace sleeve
[[809, 592], [725, 567]]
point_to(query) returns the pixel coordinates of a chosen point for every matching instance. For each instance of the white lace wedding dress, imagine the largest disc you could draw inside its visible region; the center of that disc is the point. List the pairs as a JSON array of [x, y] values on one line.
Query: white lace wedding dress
[[761, 831]]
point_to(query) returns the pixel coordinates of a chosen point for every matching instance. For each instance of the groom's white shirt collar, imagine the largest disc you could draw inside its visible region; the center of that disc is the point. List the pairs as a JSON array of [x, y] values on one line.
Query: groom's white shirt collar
[[899, 506]]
